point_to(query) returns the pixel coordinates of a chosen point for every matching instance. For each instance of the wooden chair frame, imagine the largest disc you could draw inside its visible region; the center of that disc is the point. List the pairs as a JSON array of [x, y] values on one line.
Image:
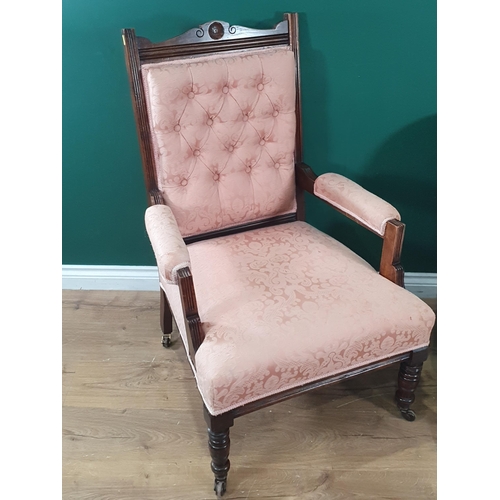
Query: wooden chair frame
[[219, 36]]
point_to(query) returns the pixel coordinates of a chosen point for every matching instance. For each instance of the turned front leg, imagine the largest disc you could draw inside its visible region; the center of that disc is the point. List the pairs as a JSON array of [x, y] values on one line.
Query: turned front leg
[[408, 378], [218, 443]]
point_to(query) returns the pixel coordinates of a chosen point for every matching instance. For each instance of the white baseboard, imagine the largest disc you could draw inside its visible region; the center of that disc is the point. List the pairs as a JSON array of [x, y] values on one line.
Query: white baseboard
[[141, 278], [145, 278], [423, 285]]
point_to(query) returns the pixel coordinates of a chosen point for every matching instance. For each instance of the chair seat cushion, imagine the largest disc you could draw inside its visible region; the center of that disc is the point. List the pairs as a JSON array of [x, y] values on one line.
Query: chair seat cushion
[[286, 305]]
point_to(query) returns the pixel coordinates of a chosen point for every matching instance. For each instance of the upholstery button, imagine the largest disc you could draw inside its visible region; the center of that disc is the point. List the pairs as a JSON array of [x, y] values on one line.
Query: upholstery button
[[262, 142], [225, 89], [191, 95], [196, 152], [245, 118], [210, 122], [230, 149], [216, 177], [276, 165], [248, 169], [184, 182], [260, 86], [275, 112], [177, 128]]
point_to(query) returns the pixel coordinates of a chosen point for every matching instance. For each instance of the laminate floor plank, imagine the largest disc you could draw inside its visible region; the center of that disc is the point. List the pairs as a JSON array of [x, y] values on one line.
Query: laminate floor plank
[[133, 426]]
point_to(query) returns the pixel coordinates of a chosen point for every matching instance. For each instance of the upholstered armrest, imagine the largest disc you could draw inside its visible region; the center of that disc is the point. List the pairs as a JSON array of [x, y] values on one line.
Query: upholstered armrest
[[169, 248], [355, 201]]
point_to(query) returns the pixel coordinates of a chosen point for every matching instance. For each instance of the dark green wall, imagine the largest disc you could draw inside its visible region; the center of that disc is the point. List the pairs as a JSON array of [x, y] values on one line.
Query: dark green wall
[[369, 113]]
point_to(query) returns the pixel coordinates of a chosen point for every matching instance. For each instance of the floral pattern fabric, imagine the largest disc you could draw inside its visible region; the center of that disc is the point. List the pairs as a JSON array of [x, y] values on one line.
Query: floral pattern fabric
[[356, 201], [169, 248], [223, 133], [286, 305]]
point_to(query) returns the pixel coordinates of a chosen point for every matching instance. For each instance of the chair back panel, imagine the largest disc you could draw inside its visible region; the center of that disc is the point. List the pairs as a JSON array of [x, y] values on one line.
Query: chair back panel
[[223, 136]]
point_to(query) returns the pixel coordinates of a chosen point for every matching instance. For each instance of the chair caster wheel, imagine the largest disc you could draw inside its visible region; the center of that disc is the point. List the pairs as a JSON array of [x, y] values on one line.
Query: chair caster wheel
[[408, 414], [166, 340], [219, 488]]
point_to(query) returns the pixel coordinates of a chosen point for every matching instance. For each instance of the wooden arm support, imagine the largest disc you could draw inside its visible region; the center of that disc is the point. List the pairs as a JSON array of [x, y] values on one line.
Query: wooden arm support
[[390, 261], [195, 334], [156, 197], [390, 265], [305, 177]]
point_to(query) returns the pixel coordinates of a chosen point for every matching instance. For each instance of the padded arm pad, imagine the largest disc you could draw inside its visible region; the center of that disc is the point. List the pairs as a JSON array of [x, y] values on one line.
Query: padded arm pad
[[356, 201], [170, 250]]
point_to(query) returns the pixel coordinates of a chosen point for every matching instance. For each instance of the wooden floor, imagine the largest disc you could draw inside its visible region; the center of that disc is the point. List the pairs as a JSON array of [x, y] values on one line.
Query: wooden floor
[[133, 427]]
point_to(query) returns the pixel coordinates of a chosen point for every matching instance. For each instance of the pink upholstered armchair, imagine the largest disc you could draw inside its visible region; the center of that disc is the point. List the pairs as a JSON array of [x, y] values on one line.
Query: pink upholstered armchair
[[267, 306]]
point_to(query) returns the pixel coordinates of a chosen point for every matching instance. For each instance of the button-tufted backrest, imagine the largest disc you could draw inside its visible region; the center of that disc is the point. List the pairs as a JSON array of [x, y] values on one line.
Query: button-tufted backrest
[[223, 133]]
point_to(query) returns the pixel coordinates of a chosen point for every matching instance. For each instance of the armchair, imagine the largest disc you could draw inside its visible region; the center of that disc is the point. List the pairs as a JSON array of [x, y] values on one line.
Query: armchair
[[267, 306]]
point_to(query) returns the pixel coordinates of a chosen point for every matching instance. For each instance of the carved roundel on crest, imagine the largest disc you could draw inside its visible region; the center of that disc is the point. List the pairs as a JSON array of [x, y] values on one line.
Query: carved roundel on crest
[[216, 31]]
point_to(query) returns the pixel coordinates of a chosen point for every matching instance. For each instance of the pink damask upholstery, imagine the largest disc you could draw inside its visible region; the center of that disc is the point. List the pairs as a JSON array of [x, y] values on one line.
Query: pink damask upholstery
[[223, 130], [169, 248], [286, 305], [356, 201]]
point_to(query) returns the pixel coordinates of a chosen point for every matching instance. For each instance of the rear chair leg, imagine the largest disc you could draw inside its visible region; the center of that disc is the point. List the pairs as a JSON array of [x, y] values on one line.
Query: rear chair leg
[[165, 320]]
